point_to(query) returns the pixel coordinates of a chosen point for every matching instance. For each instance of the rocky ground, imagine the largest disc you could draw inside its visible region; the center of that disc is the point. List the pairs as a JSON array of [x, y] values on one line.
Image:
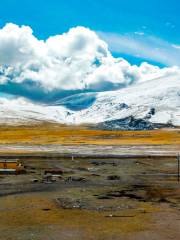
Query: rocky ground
[[94, 198], [113, 185]]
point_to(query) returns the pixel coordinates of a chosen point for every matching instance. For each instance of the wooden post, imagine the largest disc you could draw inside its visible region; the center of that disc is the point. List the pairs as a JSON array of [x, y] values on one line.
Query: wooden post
[[178, 173]]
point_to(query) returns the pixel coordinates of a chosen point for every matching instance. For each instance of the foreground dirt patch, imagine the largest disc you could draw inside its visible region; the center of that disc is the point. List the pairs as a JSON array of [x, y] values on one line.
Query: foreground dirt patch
[[95, 199], [26, 217], [104, 197]]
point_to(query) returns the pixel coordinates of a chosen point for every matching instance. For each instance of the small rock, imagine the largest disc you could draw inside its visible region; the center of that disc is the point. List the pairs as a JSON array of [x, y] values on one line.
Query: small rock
[[75, 179], [34, 180], [113, 177]]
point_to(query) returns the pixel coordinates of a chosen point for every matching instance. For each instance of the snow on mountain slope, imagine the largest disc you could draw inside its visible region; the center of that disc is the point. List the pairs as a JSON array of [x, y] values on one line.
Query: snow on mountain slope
[[157, 101], [22, 111], [162, 95]]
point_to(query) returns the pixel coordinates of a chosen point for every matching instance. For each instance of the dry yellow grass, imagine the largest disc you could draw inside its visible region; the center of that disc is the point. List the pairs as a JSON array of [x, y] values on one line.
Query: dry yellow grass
[[23, 217], [70, 135], [27, 212]]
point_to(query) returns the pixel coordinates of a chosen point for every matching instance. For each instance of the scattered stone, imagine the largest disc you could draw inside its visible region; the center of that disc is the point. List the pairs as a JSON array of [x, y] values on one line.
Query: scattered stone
[[100, 163], [104, 197], [113, 177], [66, 203], [54, 171], [75, 179], [46, 209], [123, 193], [111, 215], [95, 175], [34, 180], [83, 169]]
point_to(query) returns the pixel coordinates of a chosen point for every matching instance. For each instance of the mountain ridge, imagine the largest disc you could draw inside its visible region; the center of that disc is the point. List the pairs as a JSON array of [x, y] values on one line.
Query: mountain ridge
[[156, 101]]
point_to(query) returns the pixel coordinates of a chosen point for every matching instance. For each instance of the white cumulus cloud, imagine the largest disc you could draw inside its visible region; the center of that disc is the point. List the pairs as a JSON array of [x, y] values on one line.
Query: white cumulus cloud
[[61, 65]]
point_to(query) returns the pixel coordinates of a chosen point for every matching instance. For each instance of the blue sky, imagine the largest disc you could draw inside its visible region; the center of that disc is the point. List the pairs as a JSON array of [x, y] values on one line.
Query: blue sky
[[153, 24]]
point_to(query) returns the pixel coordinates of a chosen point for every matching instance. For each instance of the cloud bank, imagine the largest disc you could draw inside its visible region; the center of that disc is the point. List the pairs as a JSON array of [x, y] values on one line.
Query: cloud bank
[[76, 61]]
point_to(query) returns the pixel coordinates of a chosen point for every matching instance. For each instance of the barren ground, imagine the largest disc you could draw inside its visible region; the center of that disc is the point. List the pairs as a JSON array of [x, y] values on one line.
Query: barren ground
[[118, 185]]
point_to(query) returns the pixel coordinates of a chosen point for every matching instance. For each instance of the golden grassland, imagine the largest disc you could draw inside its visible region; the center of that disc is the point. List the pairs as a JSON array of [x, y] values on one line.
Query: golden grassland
[[70, 135]]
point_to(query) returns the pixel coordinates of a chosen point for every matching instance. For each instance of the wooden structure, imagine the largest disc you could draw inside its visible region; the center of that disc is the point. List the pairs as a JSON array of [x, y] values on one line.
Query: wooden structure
[[11, 167]]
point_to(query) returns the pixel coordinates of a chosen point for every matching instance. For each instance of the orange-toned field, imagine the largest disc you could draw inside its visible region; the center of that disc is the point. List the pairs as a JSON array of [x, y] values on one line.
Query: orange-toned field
[[135, 197], [67, 135]]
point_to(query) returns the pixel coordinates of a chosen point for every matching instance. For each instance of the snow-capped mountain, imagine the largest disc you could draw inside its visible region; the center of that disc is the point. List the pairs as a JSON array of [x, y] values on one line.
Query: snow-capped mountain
[[154, 101], [73, 78]]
